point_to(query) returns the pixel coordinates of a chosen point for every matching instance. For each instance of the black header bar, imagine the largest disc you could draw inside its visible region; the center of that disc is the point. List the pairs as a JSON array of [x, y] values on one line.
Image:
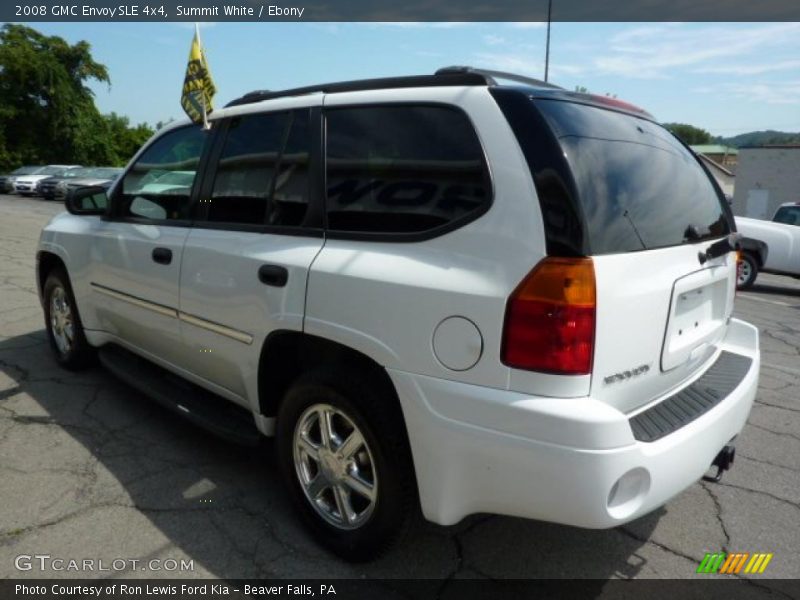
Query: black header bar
[[399, 11]]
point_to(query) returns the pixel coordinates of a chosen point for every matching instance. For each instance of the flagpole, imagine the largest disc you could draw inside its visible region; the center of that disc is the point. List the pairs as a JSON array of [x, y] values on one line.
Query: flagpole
[[547, 47], [202, 92]]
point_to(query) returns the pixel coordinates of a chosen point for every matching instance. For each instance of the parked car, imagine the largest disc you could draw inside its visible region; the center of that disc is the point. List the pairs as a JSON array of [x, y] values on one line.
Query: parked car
[[89, 176], [780, 237], [25, 185], [466, 297], [7, 181], [46, 187]]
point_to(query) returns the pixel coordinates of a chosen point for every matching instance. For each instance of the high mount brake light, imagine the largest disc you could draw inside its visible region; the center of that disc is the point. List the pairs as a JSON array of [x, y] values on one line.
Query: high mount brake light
[[615, 103], [550, 318]]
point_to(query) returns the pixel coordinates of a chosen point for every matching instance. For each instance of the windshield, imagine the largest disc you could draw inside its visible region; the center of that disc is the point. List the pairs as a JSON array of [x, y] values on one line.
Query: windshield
[[51, 171], [25, 171], [83, 172], [638, 187], [106, 172]]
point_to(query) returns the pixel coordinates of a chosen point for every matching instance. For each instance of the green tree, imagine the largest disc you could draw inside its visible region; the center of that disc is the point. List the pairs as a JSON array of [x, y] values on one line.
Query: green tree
[[582, 89], [125, 140], [48, 112], [689, 134]]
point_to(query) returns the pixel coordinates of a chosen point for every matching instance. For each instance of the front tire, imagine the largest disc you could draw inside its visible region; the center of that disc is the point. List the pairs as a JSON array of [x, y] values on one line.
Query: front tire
[[63, 323], [345, 459], [746, 271]]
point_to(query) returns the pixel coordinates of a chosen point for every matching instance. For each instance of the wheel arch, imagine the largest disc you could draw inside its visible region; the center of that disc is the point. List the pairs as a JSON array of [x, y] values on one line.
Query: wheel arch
[[286, 355], [757, 249], [45, 263]]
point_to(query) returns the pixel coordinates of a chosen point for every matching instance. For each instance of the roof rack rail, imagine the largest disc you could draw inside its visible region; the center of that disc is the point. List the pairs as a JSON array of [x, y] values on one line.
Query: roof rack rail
[[491, 76], [439, 79], [455, 75]]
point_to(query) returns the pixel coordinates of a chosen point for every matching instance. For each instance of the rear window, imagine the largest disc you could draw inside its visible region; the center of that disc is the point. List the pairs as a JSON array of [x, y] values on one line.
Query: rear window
[[624, 184], [788, 214]]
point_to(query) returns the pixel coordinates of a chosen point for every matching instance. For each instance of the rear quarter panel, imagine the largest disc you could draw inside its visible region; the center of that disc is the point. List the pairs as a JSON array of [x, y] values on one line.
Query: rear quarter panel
[[386, 299]]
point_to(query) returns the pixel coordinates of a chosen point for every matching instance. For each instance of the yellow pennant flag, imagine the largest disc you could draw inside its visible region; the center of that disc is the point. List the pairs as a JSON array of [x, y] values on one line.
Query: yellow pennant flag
[[197, 98]]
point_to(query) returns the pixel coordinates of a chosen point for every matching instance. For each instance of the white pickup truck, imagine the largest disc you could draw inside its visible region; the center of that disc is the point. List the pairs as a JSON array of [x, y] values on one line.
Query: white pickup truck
[[782, 238]]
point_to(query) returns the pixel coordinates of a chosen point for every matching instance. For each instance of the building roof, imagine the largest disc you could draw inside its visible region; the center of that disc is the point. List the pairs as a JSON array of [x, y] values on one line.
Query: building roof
[[714, 149], [773, 147], [715, 165]]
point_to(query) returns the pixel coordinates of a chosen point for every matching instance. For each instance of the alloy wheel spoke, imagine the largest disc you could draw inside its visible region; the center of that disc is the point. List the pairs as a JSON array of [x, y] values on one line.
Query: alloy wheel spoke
[[308, 447], [343, 506], [325, 427], [361, 487], [351, 444], [317, 486]]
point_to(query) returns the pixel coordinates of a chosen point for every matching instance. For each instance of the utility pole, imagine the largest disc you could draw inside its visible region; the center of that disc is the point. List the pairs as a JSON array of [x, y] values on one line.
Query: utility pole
[[547, 46]]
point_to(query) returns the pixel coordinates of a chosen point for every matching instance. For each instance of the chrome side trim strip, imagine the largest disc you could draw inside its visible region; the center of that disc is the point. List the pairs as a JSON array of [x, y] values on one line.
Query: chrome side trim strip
[[234, 334], [156, 308]]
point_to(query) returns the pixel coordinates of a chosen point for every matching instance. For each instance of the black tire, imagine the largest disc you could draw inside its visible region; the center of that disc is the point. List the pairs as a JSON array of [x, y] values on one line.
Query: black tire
[[78, 354], [746, 271], [375, 411]]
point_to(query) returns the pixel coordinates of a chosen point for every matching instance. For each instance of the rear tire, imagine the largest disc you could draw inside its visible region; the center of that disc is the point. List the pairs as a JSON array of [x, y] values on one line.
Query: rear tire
[[63, 323], [356, 492], [746, 271]]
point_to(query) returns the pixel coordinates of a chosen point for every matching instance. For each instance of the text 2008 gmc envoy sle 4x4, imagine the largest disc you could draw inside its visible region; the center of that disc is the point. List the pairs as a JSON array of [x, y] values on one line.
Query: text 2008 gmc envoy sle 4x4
[[434, 291]]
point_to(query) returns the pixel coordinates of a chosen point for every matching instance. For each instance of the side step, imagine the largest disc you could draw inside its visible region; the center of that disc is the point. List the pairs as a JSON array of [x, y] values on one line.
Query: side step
[[218, 415]]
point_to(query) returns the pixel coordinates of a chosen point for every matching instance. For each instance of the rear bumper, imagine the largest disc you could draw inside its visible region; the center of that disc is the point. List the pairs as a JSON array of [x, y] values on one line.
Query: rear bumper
[[567, 460]]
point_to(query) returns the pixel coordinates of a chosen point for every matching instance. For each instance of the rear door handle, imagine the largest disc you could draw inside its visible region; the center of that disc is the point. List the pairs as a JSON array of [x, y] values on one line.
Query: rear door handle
[[274, 275], [162, 256]]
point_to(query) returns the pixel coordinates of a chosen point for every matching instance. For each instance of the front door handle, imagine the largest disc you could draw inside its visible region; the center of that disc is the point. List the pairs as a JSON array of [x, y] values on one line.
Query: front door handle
[[162, 256], [274, 275]]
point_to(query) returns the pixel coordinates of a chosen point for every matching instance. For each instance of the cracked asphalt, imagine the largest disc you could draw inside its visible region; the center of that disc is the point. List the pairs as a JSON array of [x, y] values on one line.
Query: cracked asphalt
[[90, 469]]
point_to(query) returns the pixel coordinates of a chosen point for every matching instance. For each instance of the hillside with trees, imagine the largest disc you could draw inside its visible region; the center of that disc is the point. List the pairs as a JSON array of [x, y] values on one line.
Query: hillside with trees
[[694, 135], [47, 111], [759, 138]]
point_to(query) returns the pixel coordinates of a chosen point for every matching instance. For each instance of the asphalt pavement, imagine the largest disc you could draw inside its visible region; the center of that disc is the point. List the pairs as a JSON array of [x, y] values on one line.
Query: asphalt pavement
[[91, 470]]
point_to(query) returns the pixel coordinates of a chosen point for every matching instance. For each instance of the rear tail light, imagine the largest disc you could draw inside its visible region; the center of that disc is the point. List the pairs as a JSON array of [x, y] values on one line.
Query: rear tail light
[[550, 318]]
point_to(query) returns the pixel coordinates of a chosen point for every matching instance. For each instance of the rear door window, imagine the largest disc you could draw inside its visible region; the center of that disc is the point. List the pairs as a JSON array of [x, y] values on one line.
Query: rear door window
[[403, 169]]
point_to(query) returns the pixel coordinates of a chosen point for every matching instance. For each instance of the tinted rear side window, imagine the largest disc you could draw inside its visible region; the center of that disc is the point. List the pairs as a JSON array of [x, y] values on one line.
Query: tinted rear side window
[[631, 185], [402, 169]]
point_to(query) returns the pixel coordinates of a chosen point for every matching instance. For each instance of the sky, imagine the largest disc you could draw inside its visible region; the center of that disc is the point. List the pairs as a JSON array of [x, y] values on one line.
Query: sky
[[727, 78]]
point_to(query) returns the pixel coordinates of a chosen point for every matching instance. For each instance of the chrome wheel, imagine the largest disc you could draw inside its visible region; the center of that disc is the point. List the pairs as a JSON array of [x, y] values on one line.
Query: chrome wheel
[[743, 272], [62, 324], [335, 466]]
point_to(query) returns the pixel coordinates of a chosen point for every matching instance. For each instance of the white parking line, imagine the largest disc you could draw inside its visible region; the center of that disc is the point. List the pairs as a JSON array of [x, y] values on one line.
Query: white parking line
[[759, 299]]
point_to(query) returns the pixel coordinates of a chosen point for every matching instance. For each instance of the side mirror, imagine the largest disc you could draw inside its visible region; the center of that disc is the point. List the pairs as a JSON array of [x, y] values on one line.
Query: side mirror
[[87, 201]]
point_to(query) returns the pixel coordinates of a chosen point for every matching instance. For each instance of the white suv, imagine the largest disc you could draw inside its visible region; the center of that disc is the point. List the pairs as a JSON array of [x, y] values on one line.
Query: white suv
[[435, 291]]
